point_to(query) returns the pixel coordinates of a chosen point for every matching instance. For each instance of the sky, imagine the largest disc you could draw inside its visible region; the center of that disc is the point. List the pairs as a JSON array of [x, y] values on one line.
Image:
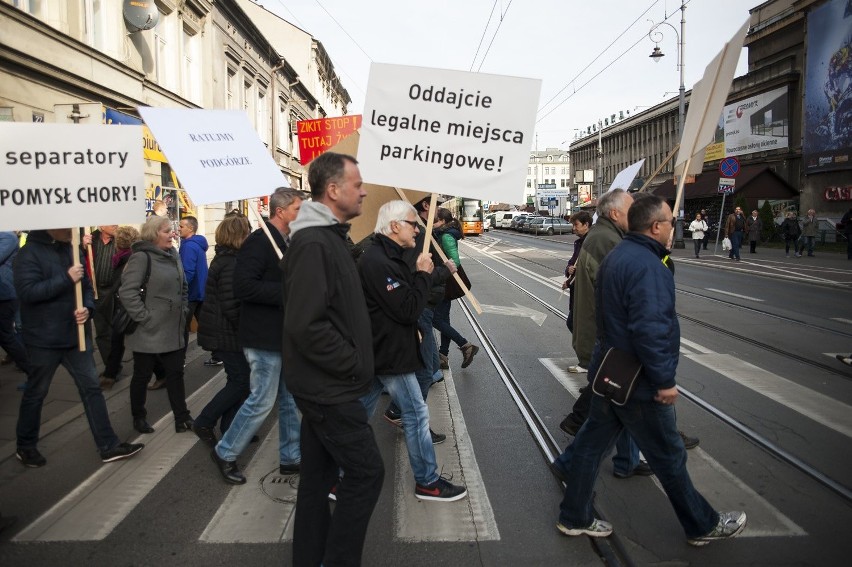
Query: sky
[[592, 56]]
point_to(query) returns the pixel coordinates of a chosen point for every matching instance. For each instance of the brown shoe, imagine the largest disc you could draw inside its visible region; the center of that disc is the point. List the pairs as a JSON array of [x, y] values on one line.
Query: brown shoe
[[107, 383], [157, 384], [445, 362], [469, 351]]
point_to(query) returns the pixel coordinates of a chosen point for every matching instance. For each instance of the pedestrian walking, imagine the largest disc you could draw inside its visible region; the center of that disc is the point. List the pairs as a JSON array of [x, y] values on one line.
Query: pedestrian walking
[[699, 230], [581, 223], [103, 249], [810, 225], [328, 345], [790, 232], [193, 257], [45, 277], [636, 295], [735, 226]]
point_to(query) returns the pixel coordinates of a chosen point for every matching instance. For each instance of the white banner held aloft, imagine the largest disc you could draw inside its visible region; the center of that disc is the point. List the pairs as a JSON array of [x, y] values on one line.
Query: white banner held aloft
[[216, 154], [465, 134], [65, 175], [625, 177]]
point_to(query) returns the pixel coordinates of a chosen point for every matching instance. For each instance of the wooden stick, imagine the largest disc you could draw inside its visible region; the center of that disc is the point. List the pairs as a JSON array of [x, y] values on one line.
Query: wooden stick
[[660, 168], [680, 184], [433, 200], [87, 230], [266, 232], [78, 287], [437, 245]]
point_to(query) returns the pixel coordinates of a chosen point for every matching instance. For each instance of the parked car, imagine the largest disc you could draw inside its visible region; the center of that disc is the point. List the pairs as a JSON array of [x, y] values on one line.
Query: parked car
[[520, 219], [505, 219], [490, 221], [550, 226]]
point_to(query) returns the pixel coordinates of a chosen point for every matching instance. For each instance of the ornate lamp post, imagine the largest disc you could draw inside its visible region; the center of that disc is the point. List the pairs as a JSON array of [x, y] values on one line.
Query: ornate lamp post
[[656, 36]]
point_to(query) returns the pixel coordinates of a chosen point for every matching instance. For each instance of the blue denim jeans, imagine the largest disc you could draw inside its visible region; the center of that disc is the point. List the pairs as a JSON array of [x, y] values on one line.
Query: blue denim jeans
[[626, 456], [228, 401], [809, 242], [441, 322], [266, 382], [81, 366], [405, 393], [736, 242], [654, 427], [430, 373]]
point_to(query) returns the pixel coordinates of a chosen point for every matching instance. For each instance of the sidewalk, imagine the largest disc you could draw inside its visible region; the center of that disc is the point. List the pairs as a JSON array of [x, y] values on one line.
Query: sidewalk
[[62, 404]]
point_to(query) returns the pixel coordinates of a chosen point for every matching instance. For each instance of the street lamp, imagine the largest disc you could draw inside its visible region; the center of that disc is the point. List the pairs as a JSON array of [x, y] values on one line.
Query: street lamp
[[656, 36]]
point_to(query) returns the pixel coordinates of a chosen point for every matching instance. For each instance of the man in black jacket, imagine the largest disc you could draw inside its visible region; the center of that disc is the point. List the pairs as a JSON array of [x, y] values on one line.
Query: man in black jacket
[[395, 298], [257, 284], [328, 345], [45, 276]]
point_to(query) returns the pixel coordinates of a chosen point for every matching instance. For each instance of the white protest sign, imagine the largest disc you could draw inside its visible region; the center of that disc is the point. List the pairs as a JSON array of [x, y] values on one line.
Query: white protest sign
[[66, 175], [453, 132], [626, 176], [217, 154]]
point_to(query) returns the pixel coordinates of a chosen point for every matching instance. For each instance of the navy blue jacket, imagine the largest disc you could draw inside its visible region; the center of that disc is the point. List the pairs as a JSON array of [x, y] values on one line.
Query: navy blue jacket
[[257, 285], [46, 293], [8, 251], [193, 256], [635, 310]]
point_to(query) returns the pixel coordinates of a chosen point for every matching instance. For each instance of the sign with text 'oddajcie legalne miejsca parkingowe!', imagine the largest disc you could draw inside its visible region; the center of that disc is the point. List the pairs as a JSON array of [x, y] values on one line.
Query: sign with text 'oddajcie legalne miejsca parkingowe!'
[[320, 135], [65, 175], [217, 154], [453, 132]]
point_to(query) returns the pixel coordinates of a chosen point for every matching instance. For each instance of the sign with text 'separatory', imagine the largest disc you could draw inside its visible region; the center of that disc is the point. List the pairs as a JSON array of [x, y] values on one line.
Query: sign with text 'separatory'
[[67, 175], [453, 132]]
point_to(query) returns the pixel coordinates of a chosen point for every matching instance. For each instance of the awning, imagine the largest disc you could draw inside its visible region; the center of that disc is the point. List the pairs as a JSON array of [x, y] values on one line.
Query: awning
[[753, 182]]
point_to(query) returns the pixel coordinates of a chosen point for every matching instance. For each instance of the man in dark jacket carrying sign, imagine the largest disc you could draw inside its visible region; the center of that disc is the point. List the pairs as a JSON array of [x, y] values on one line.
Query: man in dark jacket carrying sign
[[635, 306], [328, 346]]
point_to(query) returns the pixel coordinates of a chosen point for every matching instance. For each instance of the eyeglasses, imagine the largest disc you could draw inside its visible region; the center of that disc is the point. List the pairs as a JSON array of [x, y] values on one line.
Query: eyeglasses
[[672, 220], [410, 222]]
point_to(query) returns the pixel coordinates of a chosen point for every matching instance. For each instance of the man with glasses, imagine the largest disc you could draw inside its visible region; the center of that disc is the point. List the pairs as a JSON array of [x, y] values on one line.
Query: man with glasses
[[735, 227], [636, 299], [395, 299]]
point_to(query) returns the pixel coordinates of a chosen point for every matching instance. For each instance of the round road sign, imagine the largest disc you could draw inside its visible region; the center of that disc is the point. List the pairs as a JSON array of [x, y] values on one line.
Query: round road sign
[[729, 167]]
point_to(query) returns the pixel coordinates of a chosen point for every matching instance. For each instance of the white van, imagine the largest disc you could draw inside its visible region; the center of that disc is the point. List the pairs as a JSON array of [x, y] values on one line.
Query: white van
[[505, 218]]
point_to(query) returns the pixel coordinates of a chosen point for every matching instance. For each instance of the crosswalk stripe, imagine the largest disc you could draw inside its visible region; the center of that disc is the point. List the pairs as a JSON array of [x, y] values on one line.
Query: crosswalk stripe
[[92, 510], [721, 487], [813, 405]]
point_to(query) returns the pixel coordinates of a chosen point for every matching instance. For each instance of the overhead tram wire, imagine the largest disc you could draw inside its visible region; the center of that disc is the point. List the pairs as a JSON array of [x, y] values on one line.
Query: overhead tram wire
[[596, 75], [493, 37], [472, 63]]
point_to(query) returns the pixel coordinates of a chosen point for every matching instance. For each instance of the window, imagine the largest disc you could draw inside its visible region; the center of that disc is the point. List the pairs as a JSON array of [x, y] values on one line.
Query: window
[[102, 25], [165, 51], [248, 101], [262, 116], [190, 76], [232, 96]]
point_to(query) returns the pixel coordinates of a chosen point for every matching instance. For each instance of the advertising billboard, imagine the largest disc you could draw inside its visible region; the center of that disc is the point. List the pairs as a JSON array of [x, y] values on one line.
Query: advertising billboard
[[755, 124], [828, 88]]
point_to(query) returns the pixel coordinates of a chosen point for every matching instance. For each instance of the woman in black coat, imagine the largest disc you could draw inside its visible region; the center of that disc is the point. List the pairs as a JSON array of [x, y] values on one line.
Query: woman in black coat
[[217, 330], [791, 231]]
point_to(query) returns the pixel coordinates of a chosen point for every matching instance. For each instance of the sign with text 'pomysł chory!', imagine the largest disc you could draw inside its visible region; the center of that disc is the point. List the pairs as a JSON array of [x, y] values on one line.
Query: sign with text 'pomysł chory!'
[[216, 154], [65, 175], [452, 132]]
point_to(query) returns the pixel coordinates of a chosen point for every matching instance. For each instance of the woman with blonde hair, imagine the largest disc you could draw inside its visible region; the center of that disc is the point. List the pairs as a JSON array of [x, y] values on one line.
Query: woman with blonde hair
[[160, 312]]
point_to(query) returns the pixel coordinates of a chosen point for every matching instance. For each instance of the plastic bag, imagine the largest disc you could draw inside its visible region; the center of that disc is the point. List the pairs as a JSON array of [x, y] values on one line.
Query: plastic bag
[[726, 243]]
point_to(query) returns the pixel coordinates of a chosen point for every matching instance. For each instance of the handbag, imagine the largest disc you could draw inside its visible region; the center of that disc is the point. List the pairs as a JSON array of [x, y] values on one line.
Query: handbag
[[616, 376], [452, 289], [121, 321]]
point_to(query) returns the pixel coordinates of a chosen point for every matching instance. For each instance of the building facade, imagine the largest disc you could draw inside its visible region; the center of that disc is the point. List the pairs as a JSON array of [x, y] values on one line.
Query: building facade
[[548, 178]]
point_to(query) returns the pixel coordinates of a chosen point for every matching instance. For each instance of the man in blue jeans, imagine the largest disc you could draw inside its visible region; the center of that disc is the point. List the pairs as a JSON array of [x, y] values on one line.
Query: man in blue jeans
[[735, 230], [257, 284], [635, 302], [395, 298], [45, 276]]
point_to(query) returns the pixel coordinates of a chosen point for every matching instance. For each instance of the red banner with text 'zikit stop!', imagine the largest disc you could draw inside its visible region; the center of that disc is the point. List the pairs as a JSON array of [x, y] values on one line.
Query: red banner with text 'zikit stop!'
[[318, 136]]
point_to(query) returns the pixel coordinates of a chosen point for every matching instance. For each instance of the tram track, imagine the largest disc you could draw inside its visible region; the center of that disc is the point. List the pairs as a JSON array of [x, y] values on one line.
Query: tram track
[[549, 448]]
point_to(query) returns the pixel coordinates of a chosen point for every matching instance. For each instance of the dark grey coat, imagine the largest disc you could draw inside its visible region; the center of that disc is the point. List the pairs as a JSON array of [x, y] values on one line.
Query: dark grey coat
[[162, 317]]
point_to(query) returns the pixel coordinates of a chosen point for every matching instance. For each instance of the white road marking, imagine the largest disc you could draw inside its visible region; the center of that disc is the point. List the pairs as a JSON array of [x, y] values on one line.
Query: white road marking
[[815, 406], [721, 487], [842, 320], [517, 311], [734, 294], [695, 346], [83, 516], [469, 519]]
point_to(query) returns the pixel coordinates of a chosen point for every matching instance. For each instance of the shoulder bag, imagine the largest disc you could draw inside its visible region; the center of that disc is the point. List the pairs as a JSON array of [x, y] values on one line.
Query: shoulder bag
[[121, 321], [453, 290]]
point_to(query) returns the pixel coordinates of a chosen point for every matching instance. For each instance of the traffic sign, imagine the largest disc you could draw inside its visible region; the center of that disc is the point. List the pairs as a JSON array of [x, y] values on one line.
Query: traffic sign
[[729, 167], [726, 185]]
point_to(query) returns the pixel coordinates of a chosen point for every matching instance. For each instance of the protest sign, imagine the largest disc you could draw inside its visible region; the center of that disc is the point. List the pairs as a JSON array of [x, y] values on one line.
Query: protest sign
[[466, 134], [216, 153], [624, 178], [64, 175], [318, 136]]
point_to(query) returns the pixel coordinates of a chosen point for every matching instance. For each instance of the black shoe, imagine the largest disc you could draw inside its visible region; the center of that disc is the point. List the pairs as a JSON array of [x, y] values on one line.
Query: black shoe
[[570, 425], [7, 521], [140, 425], [157, 384], [642, 469], [184, 425], [206, 434], [254, 439], [212, 361], [437, 438], [31, 457], [122, 451], [228, 469], [688, 442], [469, 351], [393, 418], [289, 469]]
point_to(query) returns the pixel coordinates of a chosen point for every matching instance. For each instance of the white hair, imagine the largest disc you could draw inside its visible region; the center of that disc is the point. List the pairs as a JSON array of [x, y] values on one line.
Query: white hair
[[392, 211]]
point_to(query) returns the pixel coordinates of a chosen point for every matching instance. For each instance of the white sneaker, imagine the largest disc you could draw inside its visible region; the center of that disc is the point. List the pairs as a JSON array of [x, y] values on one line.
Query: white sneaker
[[599, 528], [730, 525], [577, 369]]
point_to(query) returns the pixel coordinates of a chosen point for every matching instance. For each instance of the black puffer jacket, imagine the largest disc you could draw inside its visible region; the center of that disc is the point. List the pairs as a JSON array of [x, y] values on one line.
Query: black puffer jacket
[[220, 314], [46, 292]]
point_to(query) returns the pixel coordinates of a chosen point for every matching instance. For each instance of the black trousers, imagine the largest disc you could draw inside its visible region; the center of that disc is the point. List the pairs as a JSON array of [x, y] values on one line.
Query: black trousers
[[143, 366], [335, 437]]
